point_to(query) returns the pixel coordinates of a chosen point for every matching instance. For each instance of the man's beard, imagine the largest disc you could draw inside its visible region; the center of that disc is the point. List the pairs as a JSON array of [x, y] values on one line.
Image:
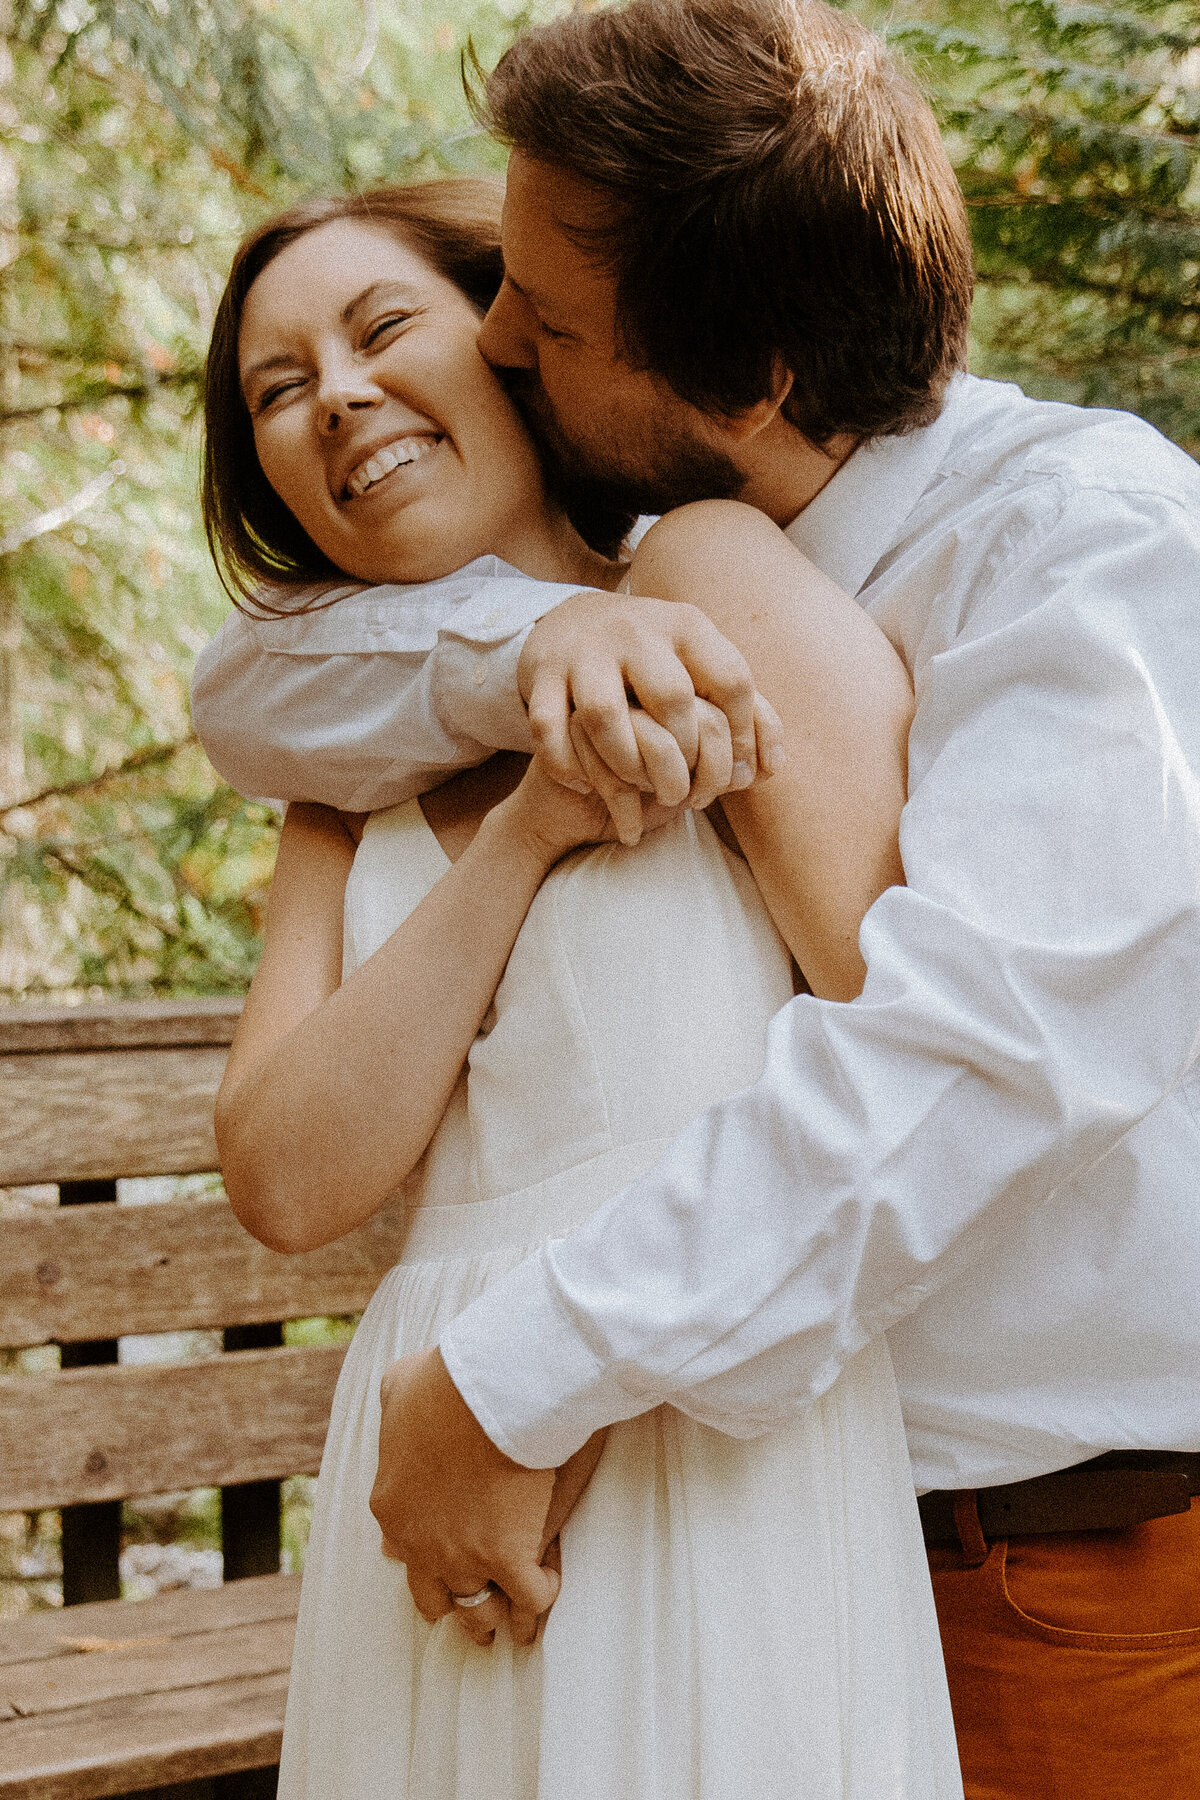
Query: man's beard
[[602, 493]]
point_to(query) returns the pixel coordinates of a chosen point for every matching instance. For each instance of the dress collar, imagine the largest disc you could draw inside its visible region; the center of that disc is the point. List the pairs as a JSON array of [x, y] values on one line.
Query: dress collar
[[859, 514]]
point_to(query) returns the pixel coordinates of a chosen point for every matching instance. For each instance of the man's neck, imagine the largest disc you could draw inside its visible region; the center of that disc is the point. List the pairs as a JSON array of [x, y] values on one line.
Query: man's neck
[[785, 472]]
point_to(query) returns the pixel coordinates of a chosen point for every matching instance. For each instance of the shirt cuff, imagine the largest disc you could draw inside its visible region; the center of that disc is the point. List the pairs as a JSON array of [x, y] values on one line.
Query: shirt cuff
[[528, 1376]]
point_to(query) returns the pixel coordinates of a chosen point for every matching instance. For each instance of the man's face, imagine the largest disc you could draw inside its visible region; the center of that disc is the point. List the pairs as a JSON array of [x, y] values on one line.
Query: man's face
[[619, 432]]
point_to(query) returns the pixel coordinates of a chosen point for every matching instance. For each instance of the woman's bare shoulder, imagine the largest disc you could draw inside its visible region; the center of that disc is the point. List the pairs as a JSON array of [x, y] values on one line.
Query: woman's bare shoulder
[[716, 533]]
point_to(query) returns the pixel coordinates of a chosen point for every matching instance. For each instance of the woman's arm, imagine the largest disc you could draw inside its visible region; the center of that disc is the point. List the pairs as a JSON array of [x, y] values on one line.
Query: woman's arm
[[332, 1092], [821, 837]]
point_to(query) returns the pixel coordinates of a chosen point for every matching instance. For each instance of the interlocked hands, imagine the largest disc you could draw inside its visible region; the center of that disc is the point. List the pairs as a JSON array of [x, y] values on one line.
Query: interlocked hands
[[631, 696]]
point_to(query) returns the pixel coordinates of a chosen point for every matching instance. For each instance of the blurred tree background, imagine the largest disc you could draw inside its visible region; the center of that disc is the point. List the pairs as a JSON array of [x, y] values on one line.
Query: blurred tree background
[[139, 138]]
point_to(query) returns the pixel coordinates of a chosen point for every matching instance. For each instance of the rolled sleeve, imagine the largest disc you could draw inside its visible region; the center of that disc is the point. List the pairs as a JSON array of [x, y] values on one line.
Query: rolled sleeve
[[377, 697]]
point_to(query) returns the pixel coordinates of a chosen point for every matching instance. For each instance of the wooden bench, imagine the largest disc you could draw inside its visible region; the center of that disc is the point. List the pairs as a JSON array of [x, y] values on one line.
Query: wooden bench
[[108, 1696]]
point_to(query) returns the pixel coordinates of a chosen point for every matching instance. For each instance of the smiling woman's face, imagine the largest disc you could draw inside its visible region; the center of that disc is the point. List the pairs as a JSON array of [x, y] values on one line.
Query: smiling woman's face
[[376, 420]]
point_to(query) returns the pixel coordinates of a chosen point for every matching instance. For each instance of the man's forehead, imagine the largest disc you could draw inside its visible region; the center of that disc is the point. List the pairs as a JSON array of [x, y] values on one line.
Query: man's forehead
[[542, 209]]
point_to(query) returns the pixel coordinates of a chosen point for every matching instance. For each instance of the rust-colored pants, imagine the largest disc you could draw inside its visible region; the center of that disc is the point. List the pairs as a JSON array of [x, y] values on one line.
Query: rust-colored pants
[[1074, 1663]]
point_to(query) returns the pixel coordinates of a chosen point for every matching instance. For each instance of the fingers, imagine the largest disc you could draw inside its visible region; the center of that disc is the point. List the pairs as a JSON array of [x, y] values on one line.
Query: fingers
[[623, 801], [666, 770], [569, 1484], [482, 1622], [431, 1597], [768, 728], [663, 687], [720, 674], [716, 771], [549, 727], [522, 1623], [602, 708], [532, 1588]]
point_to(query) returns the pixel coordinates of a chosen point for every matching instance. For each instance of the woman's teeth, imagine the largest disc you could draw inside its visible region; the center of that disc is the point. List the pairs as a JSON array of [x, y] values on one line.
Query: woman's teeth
[[382, 462]]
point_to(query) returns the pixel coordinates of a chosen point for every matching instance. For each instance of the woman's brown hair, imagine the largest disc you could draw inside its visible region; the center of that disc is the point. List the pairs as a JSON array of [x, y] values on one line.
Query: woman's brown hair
[[255, 541], [778, 194]]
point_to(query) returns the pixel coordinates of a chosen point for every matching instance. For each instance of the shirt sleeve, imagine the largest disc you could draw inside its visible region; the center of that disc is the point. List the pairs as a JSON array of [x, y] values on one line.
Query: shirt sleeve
[[369, 701], [1030, 996]]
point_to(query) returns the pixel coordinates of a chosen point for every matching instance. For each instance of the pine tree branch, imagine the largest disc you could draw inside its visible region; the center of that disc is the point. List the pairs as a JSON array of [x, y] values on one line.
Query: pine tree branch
[[59, 516], [1055, 279], [93, 395], [1114, 208], [108, 884], [72, 790]]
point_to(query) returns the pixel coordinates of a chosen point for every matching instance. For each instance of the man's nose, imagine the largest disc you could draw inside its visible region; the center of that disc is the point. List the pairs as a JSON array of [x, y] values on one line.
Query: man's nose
[[344, 388], [504, 337]]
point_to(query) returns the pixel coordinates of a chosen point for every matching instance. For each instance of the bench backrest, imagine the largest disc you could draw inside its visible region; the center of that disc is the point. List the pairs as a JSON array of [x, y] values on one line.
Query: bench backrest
[[91, 1094]]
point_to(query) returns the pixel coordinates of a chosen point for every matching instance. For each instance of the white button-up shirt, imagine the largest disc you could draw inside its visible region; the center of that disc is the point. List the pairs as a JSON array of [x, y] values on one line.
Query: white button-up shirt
[[994, 1153]]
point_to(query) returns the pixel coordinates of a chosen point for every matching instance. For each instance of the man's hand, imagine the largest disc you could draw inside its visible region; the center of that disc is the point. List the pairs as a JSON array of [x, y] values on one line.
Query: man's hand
[[454, 1508], [701, 728]]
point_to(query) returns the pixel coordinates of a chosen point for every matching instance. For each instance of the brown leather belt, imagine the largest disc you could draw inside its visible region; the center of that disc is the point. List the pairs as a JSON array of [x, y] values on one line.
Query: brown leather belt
[[1109, 1493]]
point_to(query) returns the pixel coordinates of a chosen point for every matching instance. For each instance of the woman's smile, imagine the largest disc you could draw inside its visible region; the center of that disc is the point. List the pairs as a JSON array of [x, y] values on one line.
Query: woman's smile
[[372, 473]]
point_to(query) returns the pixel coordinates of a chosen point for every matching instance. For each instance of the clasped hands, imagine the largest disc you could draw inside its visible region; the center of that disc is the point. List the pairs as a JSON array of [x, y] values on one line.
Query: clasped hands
[[628, 697]]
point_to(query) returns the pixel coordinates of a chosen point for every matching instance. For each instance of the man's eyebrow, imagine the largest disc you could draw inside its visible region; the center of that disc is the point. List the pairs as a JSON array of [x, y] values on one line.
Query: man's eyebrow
[[541, 302], [530, 294]]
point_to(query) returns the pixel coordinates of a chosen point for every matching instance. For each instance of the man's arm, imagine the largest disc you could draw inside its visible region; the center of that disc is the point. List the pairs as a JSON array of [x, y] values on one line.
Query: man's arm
[[1030, 997], [374, 699]]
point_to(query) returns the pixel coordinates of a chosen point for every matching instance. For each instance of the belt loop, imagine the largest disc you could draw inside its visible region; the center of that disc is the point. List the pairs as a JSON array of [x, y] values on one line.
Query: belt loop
[[970, 1531]]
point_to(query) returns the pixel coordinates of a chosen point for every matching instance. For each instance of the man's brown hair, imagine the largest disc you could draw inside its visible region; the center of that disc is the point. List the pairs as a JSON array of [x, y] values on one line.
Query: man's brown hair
[[454, 224], [779, 195]]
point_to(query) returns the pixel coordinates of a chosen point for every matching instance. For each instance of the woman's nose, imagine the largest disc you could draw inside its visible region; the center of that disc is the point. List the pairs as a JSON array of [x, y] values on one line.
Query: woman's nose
[[344, 388], [504, 337]]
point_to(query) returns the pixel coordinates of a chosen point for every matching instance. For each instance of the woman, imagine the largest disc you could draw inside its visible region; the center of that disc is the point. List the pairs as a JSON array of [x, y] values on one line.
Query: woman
[[469, 1004]]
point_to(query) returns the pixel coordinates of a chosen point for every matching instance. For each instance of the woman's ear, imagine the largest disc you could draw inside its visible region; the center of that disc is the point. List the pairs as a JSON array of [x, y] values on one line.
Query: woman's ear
[[748, 424]]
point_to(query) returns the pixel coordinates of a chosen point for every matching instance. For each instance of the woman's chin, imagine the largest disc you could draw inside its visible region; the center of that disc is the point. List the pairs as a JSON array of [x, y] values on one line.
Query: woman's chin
[[409, 564]]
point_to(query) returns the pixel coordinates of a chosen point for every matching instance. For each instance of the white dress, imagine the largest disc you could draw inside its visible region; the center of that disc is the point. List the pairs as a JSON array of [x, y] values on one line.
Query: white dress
[[738, 1618]]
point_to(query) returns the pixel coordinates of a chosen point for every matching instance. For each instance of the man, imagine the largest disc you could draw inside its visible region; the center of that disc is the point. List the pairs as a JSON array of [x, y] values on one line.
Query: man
[[738, 265]]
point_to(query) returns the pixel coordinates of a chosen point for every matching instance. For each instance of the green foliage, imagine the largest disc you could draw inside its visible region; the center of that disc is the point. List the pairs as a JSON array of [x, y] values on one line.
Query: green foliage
[[1074, 129], [139, 138]]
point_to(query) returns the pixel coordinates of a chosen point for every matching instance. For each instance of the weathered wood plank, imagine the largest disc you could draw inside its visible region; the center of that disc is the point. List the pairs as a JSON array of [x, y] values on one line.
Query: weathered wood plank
[[176, 1614], [99, 1114], [125, 1024], [109, 1433], [151, 1664], [72, 1274], [119, 1746]]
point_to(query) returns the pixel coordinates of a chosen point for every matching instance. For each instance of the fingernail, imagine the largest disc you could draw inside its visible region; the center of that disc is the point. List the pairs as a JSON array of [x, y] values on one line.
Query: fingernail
[[579, 787], [743, 775], [774, 759]]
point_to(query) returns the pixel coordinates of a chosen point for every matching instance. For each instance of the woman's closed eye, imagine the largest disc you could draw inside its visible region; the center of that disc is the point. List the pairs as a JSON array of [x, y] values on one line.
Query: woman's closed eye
[[275, 392], [380, 331]]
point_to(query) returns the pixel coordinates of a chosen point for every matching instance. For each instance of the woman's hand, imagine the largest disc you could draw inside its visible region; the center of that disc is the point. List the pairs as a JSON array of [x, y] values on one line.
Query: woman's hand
[[480, 1623], [551, 820]]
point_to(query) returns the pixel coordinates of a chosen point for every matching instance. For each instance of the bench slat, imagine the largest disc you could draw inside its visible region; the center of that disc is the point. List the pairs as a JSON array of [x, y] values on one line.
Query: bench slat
[[119, 1746], [110, 1433], [127, 1023], [83, 1272], [147, 1665], [102, 1114], [173, 1614]]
